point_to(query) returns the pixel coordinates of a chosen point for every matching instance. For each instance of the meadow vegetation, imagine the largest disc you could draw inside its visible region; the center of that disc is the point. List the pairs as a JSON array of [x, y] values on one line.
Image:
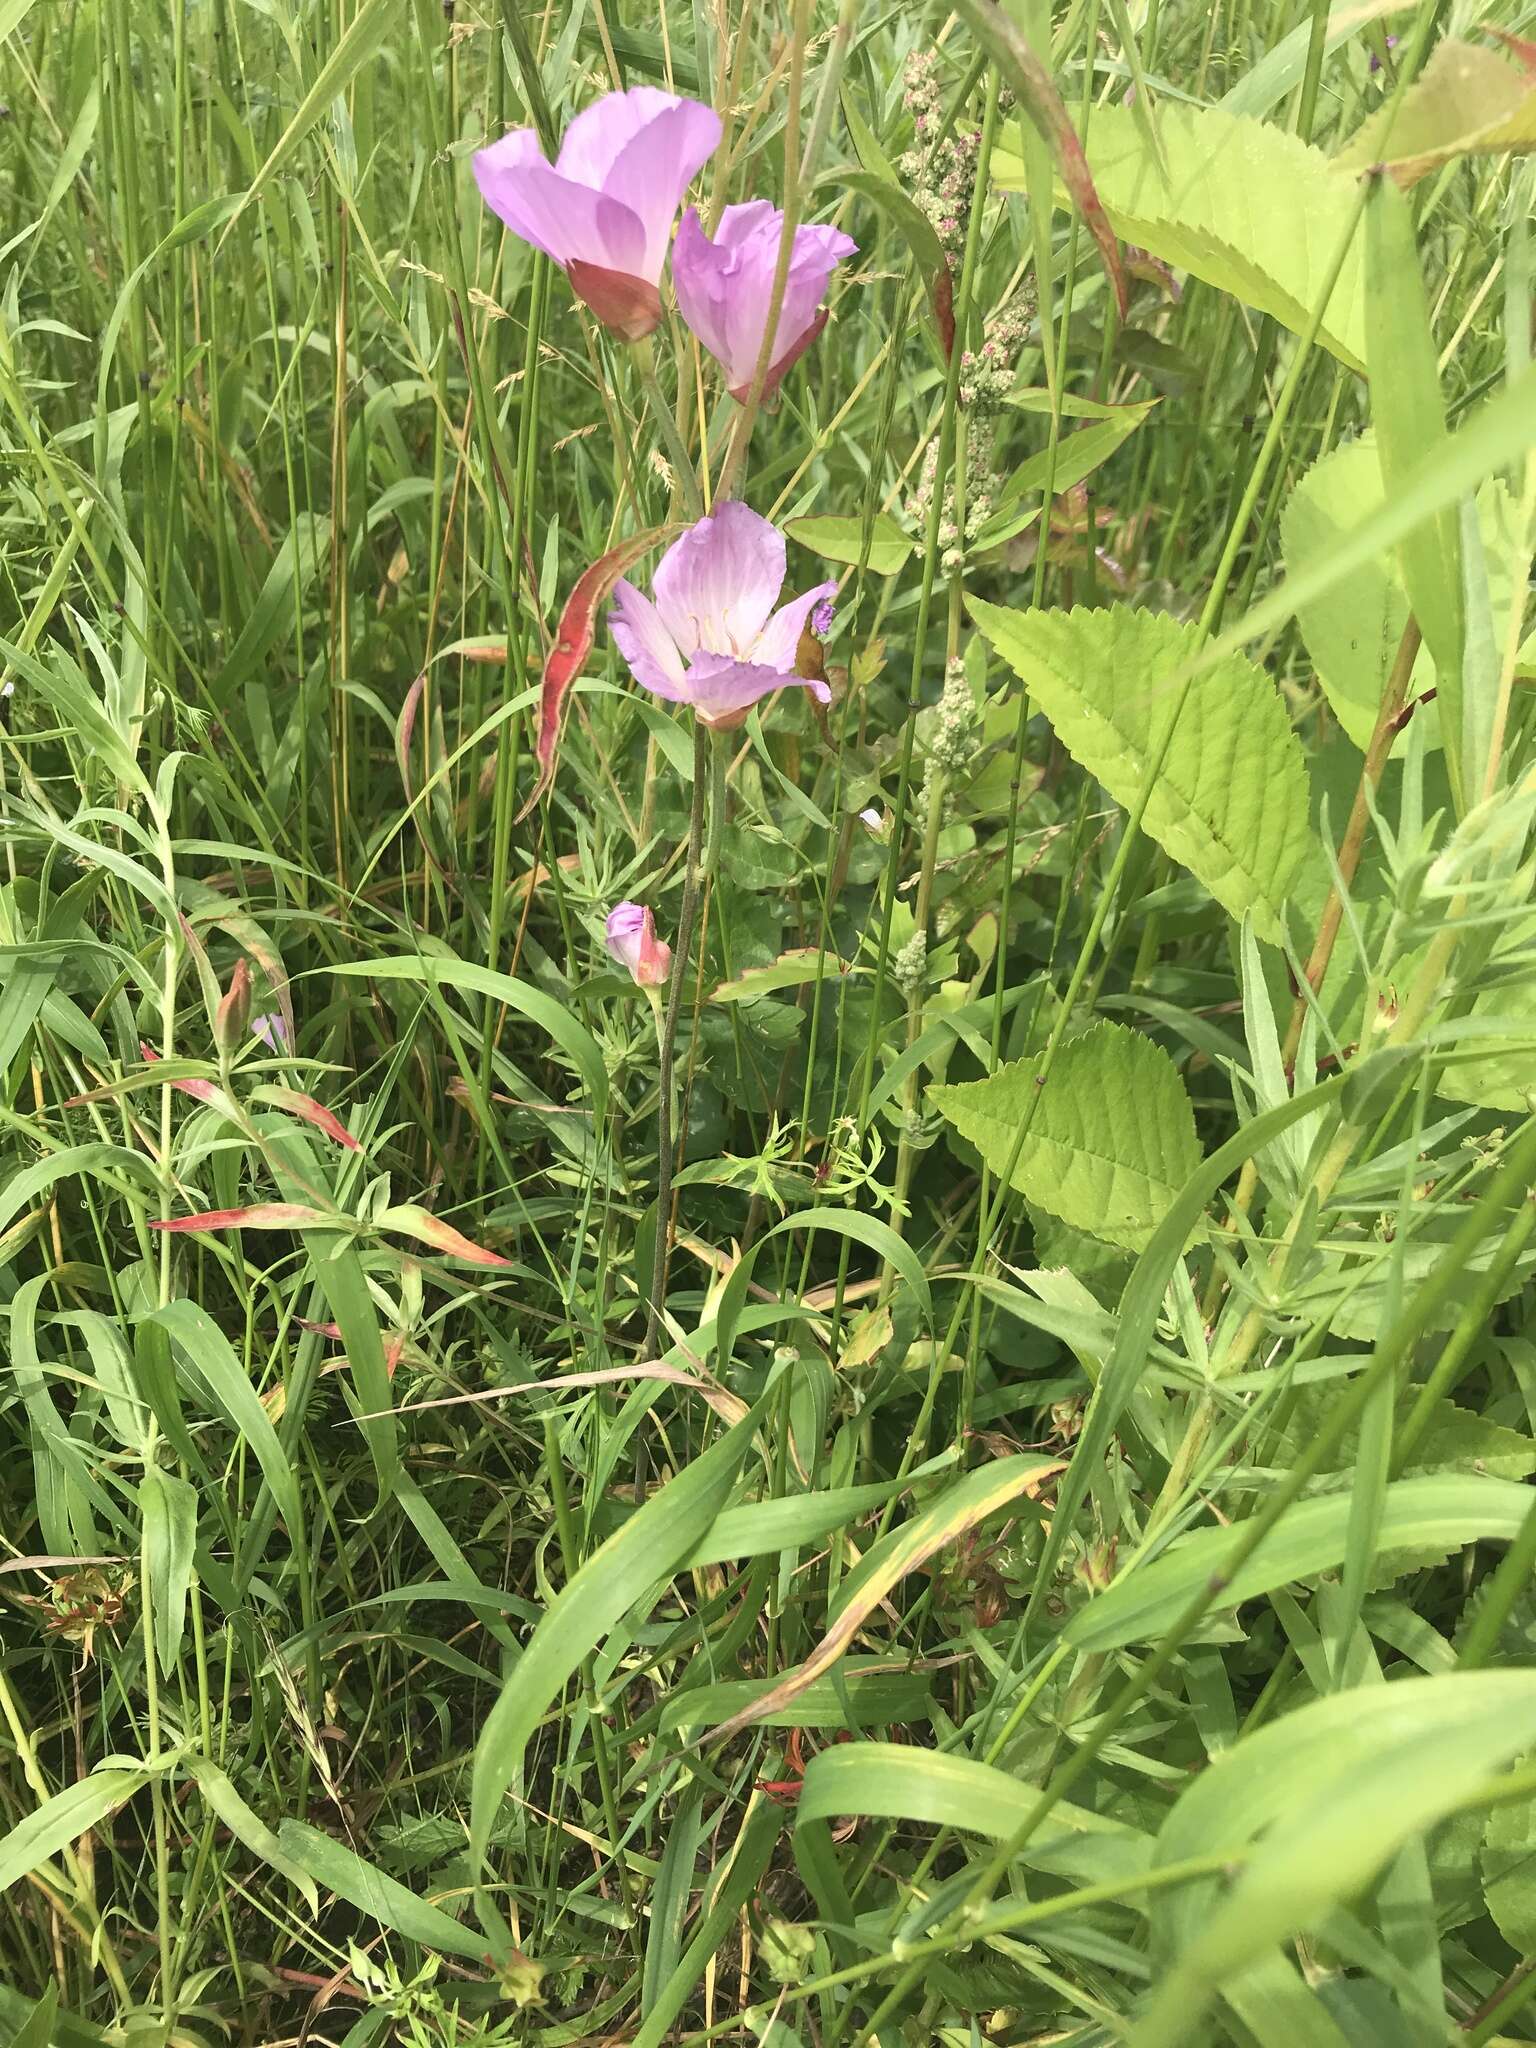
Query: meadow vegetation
[[766, 1049]]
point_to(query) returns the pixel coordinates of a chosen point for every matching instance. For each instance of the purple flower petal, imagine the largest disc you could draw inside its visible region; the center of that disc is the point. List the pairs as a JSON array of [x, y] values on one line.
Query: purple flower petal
[[715, 587], [568, 221], [656, 166], [722, 692], [644, 641], [781, 636]]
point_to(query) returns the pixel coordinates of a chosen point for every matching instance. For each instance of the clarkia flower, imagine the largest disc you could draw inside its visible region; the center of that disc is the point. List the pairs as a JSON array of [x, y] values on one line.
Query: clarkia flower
[[725, 287], [633, 943], [709, 636], [603, 210], [271, 1030]]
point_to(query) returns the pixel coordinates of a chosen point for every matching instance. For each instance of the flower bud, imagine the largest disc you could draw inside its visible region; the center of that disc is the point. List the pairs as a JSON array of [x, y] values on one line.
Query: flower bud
[[633, 943], [233, 1015]]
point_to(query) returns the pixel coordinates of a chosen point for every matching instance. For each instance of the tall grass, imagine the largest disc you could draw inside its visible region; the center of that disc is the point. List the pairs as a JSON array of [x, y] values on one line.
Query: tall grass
[[962, 1475]]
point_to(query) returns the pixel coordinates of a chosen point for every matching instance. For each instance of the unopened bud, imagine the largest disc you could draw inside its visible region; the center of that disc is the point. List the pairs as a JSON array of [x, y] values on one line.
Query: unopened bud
[[233, 1015]]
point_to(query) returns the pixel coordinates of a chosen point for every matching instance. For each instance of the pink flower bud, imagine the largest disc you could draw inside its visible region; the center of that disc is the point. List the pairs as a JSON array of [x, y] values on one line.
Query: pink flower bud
[[633, 943], [234, 1012]]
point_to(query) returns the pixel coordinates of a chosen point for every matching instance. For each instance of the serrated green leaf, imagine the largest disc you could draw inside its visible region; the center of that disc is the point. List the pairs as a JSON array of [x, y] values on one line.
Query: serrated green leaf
[[1230, 802], [1247, 207], [1467, 100], [1508, 1869], [1112, 1136]]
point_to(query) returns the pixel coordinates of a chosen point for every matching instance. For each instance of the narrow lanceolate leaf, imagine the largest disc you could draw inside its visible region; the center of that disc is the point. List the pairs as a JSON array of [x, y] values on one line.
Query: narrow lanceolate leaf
[[1110, 1138], [1320, 1800], [1230, 799], [945, 1520], [248, 1827], [1009, 49], [421, 1223], [309, 1111], [573, 643], [839, 539], [62, 1820], [367, 1888], [920, 236], [1409, 416], [1437, 1513], [939, 1789], [168, 1506], [625, 1570], [257, 1216], [791, 970]]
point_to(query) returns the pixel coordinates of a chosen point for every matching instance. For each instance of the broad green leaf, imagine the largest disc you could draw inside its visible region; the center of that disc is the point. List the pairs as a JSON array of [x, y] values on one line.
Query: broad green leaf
[[1111, 1136], [248, 1827], [1252, 210], [36, 2030], [1508, 1868], [63, 1819], [842, 540], [1230, 802], [1321, 1800], [1409, 417], [1352, 631], [340, 1870], [1467, 100], [168, 1506], [1437, 1513], [619, 1575]]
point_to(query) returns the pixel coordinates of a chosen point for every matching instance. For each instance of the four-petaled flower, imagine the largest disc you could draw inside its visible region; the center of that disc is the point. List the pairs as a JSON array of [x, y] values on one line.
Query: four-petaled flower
[[604, 209], [711, 638], [725, 288], [633, 943]]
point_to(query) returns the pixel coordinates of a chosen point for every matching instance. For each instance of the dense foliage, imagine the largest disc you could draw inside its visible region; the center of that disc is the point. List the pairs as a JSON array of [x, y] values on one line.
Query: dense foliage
[[795, 1326]]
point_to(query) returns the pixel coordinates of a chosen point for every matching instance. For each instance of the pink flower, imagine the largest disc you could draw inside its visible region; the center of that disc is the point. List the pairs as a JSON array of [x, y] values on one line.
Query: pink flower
[[724, 288], [633, 943], [604, 209], [708, 639]]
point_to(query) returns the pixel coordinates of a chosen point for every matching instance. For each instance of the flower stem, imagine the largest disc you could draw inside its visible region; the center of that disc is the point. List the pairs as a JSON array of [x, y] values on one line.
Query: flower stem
[[709, 758], [685, 474], [746, 418]]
